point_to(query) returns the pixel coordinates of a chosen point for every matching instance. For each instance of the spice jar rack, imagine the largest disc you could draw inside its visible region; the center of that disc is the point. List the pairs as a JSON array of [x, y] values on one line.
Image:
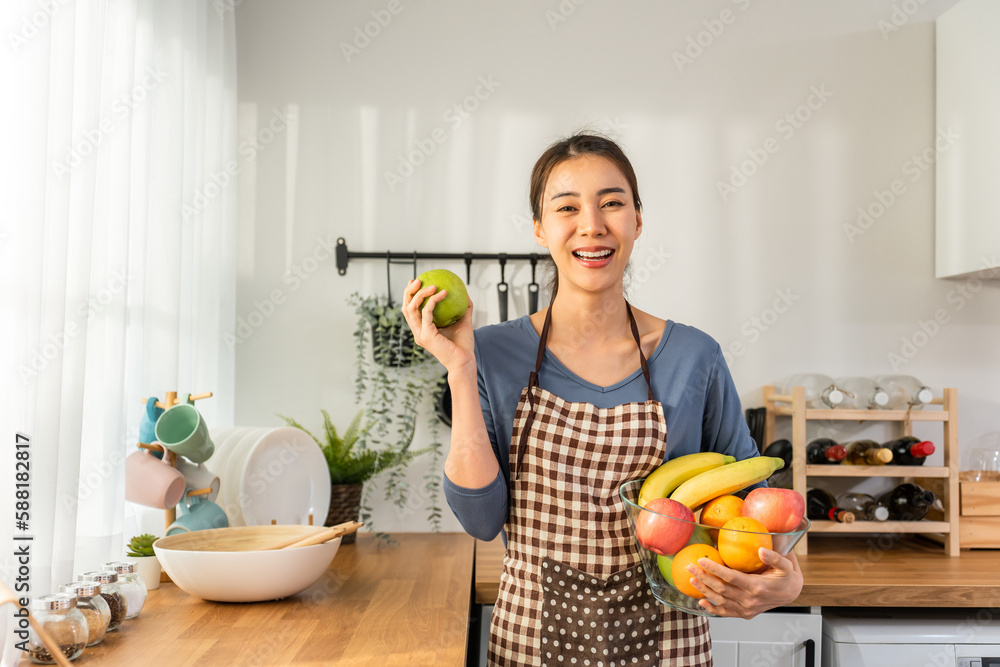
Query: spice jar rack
[[794, 406]]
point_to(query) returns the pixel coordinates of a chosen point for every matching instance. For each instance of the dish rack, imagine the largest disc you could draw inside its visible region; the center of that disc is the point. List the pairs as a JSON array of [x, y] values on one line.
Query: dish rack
[[943, 478]]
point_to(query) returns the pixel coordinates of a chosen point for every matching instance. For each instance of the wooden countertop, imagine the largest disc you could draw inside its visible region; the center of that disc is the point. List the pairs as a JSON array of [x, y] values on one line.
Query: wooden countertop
[[851, 572], [388, 605]]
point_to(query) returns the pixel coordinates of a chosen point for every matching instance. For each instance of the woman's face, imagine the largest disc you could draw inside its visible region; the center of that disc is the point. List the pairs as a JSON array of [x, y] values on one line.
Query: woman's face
[[589, 223]]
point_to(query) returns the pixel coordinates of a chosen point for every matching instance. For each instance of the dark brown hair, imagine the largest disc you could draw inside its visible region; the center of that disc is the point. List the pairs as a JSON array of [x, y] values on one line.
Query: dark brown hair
[[569, 148], [576, 145]]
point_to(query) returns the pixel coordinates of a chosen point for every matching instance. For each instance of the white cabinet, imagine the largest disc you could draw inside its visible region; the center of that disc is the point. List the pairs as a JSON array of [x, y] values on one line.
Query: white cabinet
[[967, 143], [774, 639]]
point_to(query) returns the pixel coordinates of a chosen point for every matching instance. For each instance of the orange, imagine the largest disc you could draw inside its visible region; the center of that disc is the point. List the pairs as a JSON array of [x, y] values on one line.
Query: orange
[[717, 511], [739, 540], [689, 555]]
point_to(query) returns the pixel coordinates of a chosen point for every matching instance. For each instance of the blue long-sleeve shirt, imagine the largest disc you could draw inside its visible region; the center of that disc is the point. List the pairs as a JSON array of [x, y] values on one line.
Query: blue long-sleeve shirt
[[689, 376]]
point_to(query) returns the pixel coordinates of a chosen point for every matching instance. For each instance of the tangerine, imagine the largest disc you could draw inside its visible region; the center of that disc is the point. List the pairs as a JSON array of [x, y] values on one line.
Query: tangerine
[[739, 541], [689, 555], [717, 511]]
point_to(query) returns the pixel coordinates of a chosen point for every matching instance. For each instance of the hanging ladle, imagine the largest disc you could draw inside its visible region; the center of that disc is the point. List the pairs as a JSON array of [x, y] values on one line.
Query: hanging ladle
[[502, 288], [533, 289]]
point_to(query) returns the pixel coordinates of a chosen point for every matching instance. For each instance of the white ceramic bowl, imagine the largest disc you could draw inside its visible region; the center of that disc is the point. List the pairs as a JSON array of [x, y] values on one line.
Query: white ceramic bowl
[[227, 565]]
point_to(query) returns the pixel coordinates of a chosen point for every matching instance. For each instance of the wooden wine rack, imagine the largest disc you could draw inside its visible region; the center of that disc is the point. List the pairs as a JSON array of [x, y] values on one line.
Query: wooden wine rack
[[794, 406]]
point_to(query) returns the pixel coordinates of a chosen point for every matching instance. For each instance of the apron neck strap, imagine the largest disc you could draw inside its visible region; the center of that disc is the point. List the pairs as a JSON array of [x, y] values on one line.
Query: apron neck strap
[[533, 378], [544, 337]]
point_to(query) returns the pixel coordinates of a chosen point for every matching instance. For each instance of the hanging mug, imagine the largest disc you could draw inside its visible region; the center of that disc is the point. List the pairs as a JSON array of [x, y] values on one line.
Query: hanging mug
[[151, 481], [182, 430], [147, 424], [197, 476], [200, 514]]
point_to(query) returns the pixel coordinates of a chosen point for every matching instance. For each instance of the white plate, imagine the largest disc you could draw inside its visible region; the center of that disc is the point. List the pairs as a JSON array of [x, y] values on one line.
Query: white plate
[[218, 435], [238, 450], [223, 453], [285, 479]]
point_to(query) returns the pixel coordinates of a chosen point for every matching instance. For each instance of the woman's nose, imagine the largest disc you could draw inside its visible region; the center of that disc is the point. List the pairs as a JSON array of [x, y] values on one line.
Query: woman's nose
[[591, 222]]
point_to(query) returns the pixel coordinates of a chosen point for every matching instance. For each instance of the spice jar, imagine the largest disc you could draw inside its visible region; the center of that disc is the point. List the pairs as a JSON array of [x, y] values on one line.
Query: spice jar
[[131, 584], [67, 627], [111, 593], [92, 606]]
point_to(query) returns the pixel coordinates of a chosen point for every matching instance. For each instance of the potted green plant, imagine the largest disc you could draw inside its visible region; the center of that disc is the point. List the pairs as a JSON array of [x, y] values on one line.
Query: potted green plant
[[351, 463], [147, 564]]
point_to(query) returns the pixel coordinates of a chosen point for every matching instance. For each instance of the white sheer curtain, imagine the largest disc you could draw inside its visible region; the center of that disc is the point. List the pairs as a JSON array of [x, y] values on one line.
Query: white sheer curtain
[[117, 252]]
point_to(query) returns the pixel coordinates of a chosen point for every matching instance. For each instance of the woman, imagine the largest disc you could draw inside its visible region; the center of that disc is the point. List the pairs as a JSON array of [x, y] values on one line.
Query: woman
[[544, 461]]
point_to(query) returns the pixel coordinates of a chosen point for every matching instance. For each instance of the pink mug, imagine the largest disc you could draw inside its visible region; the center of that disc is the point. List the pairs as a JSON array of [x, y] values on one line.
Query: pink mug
[[151, 481]]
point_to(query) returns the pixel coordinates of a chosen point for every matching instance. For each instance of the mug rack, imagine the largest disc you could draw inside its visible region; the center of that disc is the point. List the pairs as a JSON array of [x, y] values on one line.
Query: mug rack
[[170, 514]]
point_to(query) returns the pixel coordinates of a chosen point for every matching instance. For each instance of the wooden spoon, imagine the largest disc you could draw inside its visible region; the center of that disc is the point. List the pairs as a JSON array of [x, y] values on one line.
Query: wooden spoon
[[7, 596], [331, 533]]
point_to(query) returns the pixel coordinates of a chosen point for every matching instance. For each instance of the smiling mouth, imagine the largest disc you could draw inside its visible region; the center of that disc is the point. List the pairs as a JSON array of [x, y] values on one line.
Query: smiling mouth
[[593, 256]]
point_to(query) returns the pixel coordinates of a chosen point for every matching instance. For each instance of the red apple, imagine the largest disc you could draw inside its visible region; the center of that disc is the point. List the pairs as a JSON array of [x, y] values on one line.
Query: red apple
[[780, 510], [660, 533]]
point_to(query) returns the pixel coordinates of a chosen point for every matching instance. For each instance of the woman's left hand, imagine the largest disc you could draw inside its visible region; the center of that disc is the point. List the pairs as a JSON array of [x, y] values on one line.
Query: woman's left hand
[[744, 595]]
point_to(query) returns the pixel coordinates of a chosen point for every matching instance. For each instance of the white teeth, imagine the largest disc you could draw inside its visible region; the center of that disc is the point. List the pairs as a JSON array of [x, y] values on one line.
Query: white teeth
[[592, 255]]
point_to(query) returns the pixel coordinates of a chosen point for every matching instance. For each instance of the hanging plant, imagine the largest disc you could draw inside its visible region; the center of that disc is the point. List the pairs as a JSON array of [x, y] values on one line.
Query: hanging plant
[[392, 343], [393, 378]]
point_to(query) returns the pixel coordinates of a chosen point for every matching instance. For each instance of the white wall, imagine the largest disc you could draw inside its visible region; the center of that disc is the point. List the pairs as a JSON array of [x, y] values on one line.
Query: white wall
[[854, 298]]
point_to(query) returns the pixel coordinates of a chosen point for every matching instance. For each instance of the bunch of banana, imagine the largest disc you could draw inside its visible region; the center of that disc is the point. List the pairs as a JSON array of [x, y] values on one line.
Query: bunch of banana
[[694, 479], [661, 482]]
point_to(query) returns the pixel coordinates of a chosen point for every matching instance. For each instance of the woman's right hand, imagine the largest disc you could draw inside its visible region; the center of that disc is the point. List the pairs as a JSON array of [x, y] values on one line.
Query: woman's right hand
[[453, 346]]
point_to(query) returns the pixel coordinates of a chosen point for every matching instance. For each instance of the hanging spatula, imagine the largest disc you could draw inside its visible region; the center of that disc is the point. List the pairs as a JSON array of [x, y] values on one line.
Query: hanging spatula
[[533, 289], [502, 289]]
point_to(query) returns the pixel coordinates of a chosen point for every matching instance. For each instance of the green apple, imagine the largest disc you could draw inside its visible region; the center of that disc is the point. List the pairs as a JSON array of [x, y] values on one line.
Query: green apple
[[454, 305], [664, 563], [701, 535]]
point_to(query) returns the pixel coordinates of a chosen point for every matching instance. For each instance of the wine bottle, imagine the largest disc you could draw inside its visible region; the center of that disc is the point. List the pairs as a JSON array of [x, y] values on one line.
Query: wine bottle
[[867, 453], [821, 392], [904, 392], [861, 394], [863, 506], [821, 506], [910, 451], [907, 502], [824, 450], [781, 449]]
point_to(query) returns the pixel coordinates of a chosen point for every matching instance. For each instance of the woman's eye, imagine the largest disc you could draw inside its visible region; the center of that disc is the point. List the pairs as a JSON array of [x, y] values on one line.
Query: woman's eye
[[614, 202], [567, 207]]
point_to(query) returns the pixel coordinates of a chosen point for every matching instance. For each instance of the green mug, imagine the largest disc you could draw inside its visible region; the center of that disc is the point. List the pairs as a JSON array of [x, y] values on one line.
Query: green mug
[[182, 430]]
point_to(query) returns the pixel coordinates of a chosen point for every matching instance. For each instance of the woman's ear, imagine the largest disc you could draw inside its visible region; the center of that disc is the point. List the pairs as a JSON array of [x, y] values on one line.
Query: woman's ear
[[539, 234], [638, 223]]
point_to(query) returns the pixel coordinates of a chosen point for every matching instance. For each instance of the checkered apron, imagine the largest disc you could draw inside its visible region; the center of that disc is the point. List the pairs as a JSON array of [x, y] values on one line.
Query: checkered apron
[[573, 590]]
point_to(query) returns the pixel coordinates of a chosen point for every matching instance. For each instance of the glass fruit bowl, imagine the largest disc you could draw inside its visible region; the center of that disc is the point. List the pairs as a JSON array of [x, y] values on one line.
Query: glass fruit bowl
[[672, 536]]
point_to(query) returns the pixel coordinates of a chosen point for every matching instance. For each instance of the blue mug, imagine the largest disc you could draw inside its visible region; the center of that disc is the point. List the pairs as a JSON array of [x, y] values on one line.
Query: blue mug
[[197, 513], [147, 427]]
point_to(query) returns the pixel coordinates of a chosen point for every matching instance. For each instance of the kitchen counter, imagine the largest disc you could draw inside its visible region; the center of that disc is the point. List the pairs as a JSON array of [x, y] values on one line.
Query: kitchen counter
[[849, 572], [376, 605]]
